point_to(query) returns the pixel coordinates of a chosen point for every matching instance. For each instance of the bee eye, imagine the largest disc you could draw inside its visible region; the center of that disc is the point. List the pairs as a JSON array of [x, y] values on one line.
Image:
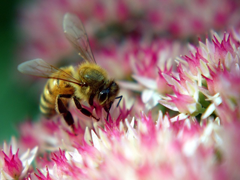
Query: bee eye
[[103, 96]]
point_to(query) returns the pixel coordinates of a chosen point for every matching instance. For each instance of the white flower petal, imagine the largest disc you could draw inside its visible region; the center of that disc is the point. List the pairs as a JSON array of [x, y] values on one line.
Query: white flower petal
[[131, 133], [27, 159], [204, 91], [96, 126], [5, 176], [171, 81], [130, 85], [169, 105], [209, 111], [104, 139], [150, 98], [76, 157], [207, 132], [228, 60], [217, 101], [121, 127], [146, 95], [162, 121], [147, 82], [87, 136], [179, 117], [204, 68], [14, 145], [211, 98], [25, 170], [29, 156], [68, 156], [214, 33], [190, 146], [96, 141]]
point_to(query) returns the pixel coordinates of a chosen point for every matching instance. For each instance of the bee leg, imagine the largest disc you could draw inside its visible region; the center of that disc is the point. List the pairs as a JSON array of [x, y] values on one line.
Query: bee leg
[[107, 110], [91, 100], [64, 111], [83, 110]]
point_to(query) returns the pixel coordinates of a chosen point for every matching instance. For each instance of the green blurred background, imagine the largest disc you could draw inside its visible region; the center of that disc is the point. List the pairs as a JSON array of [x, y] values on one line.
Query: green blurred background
[[18, 101]]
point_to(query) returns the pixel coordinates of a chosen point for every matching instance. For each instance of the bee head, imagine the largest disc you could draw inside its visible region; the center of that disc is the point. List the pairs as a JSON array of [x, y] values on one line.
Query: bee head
[[107, 95]]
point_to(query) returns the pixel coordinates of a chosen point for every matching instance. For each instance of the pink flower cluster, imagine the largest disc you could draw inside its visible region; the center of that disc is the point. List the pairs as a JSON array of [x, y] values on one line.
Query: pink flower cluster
[[137, 148], [15, 164], [200, 142], [180, 113], [108, 20]]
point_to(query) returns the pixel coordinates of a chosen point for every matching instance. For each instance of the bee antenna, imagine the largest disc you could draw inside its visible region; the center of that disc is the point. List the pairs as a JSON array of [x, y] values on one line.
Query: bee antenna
[[120, 98]]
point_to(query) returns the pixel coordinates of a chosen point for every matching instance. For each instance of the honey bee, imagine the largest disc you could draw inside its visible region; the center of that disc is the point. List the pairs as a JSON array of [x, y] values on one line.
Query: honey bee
[[86, 82]]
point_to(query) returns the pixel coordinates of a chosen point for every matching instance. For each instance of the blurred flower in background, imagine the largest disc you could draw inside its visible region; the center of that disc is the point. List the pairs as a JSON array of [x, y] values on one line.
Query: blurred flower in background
[[177, 63], [109, 21]]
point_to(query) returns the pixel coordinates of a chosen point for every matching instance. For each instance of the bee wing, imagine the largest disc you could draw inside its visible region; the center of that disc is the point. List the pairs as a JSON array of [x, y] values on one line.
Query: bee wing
[[76, 34], [40, 68]]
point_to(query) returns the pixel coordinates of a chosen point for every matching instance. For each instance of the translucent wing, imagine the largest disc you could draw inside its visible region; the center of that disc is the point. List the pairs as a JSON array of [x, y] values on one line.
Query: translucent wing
[[38, 67], [76, 34]]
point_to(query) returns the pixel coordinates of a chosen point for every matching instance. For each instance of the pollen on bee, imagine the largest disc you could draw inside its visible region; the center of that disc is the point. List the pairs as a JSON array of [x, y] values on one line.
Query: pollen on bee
[[54, 82]]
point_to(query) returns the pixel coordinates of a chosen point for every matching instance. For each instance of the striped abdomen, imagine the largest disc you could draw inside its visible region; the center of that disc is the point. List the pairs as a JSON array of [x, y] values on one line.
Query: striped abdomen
[[52, 89]]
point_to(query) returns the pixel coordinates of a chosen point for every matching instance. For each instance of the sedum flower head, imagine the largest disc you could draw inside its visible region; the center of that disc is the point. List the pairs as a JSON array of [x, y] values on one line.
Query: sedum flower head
[[15, 164], [12, 164], [40, 21], [140, 139], [179, 117], [141, 149], [212, 70]]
